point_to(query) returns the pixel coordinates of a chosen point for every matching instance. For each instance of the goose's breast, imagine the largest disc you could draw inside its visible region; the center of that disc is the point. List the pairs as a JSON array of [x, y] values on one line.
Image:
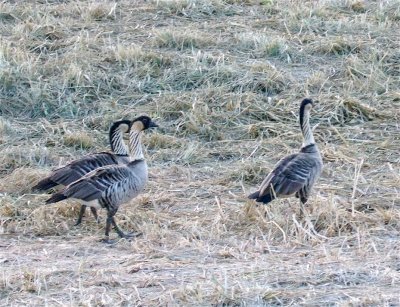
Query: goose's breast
[[132, 185]]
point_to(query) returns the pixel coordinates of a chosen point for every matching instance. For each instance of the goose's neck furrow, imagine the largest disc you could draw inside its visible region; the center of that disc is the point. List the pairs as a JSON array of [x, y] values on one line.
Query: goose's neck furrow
[[308, 137], [117, 143], [135, 145]]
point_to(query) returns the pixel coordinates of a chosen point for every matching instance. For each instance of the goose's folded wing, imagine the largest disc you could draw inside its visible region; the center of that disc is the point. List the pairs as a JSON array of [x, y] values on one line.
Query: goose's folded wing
[[295, 176], [80, 167], [292, 175], [279, 167], [93, 185]]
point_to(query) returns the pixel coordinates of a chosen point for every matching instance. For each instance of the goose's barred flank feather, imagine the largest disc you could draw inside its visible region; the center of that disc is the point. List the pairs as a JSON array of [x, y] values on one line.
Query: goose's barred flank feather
[[112, 185], [78, 168], [294, 174]]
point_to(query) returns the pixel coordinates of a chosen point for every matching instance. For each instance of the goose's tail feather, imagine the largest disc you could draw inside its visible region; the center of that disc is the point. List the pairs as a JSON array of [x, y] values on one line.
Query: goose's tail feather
[[263, 199], [254, 195], [45, 184], [56, 197]]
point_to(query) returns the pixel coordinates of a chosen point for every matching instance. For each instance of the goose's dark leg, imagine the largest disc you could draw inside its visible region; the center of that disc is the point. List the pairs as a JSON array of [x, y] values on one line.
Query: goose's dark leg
[[117, 229], [81, 214], [111, 221], [301, 215], [108, 228], [94, 212], [303, 200]]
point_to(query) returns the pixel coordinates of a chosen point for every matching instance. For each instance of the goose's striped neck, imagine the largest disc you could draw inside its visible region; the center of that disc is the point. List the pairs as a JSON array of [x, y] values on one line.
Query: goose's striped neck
[[308, 137], [118, 145], [135, 144]]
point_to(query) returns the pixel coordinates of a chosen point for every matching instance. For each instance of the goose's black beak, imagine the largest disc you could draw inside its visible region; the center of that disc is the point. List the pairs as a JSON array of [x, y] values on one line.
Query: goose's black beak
[[153, 125]]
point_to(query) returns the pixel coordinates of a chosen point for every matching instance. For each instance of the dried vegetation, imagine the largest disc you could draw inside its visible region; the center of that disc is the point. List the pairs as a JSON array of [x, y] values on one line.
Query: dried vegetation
[[224, 79]]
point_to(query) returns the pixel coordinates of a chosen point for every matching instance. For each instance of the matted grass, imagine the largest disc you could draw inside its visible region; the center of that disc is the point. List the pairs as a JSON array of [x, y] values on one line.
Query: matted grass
[[224, 80]]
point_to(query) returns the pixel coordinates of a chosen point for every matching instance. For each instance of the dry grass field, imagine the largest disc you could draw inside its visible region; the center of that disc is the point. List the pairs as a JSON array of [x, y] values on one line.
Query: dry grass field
[[224, 80]]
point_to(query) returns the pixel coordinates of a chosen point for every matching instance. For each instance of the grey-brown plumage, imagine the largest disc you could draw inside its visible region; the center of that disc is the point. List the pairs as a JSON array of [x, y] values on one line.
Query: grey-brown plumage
[[78, 168], [110, 186], [294, 174]]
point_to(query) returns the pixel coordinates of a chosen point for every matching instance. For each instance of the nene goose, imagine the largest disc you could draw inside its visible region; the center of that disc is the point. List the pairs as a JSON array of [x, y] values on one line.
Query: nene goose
[[296, 173], [80, 167], [110, 186]]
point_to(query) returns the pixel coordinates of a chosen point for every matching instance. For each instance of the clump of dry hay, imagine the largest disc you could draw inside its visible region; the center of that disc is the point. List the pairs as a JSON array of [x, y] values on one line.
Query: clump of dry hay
[[223, 79], [79, 140]]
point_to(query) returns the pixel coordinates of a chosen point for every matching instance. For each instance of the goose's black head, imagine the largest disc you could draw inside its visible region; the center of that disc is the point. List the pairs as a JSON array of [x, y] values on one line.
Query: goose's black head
[[306, 106], [123, 125], [143, 122]]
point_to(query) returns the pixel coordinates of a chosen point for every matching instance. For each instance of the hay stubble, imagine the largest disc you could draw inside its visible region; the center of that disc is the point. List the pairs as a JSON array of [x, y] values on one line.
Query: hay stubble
[[223, 79]]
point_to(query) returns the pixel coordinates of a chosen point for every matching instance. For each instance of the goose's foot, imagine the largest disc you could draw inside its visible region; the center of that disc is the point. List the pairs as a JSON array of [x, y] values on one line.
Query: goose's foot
[[107, 240], [111, 221], [128, 235], [122, 234]]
